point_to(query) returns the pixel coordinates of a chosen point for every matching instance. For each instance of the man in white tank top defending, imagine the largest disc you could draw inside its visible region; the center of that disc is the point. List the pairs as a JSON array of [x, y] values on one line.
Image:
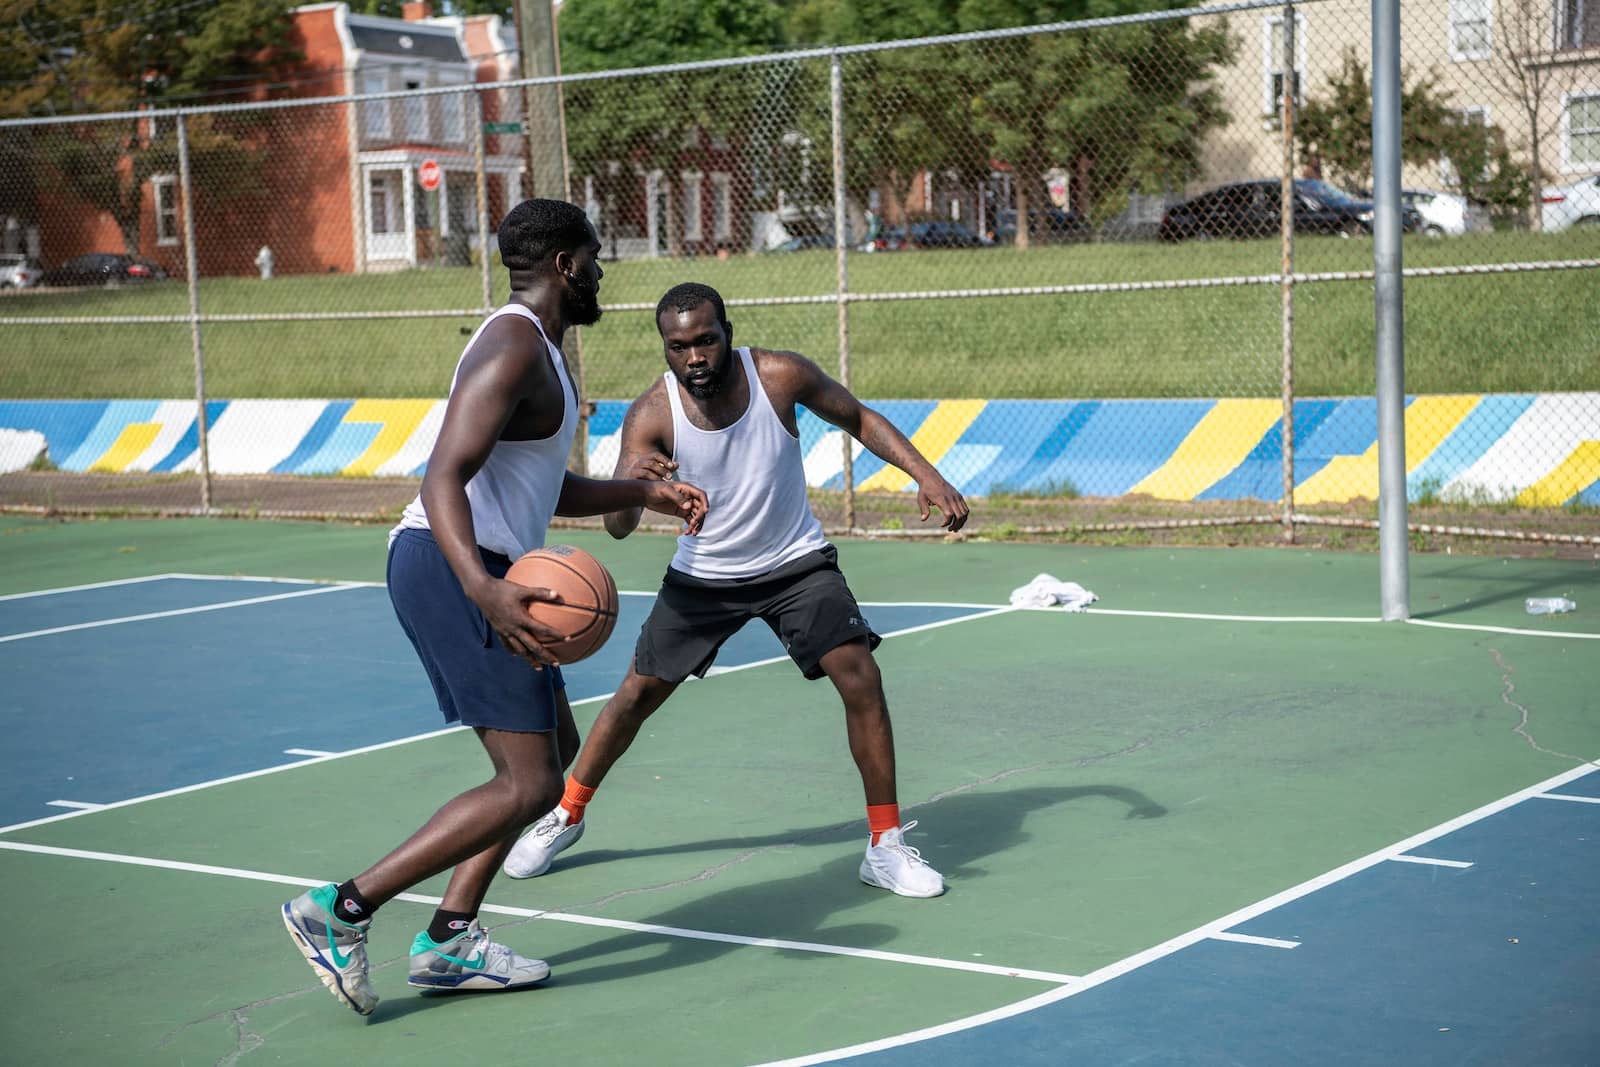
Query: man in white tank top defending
[[496, 475], [724, 419]]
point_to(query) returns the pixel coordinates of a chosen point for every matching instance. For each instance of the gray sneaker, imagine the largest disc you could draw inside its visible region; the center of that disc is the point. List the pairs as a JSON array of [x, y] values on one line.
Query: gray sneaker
[[336, 950], [470, 962], [550, 836]]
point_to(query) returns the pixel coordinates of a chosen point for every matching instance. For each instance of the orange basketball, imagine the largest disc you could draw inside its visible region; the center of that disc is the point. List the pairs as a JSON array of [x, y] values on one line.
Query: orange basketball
[[587, 612]]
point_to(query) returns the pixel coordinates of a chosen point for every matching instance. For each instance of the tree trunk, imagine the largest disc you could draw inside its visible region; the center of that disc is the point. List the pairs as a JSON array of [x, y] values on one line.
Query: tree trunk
[[1022, 212], [1536, 199]]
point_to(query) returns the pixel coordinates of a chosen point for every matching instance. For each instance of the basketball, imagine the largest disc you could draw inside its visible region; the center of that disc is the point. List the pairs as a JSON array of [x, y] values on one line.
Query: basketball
[[588, 609]]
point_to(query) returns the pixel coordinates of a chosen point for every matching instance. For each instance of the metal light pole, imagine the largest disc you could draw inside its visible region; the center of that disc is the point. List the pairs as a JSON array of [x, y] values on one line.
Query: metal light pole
[[1394, 578]]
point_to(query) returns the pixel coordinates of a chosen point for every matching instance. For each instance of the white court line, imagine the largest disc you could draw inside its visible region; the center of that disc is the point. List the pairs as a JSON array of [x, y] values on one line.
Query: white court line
[[1569, 796], [1252, 939], [263, 578], [1182, 941], [77, 804], [566, 917], [90, 585], [175, 611], [1208, 617], [308, 752], [1430, 861], [380, 746], [1503, 629]]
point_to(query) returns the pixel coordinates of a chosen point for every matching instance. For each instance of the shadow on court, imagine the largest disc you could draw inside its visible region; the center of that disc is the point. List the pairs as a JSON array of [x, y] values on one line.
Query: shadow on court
[[966, 827]]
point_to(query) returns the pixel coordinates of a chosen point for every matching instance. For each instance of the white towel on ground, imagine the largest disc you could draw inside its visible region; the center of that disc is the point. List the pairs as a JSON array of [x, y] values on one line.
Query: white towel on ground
[[1048, 591]]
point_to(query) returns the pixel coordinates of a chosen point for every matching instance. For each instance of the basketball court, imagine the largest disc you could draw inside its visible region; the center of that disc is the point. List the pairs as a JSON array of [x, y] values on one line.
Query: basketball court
[[1226, 816]]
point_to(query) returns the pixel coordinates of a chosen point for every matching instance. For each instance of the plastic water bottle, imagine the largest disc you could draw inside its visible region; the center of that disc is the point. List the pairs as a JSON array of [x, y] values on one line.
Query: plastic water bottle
[[1549, 605]]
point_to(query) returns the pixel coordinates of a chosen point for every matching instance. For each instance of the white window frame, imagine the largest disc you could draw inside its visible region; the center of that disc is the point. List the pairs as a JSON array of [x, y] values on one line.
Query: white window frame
[[1458, 53], [721, 205], [1447, 169], [453, 110], [693, 204], [1569, 164], [377, 119], [165, 187], [1271, 28]]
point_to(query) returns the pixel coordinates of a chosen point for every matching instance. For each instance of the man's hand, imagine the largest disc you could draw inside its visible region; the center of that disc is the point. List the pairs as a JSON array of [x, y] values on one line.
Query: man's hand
[[679, 499], [505, 605], [648, 466], [935, 492]]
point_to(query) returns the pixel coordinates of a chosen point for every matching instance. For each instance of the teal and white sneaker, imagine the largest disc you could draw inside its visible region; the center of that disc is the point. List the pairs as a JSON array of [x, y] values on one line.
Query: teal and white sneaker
[[336, 950], [470, 962]]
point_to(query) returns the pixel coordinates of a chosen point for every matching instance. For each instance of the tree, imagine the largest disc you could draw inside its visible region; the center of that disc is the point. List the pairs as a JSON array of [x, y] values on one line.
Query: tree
[[85, 56], [1525, 64], [1335, 130], [619, 129]]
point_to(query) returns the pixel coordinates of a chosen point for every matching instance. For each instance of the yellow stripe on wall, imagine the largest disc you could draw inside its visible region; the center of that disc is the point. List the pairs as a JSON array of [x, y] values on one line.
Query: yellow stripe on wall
[[942, 428], [1572, 476], [1429, 420], [1217, 444], [129, 446], [399, 419]]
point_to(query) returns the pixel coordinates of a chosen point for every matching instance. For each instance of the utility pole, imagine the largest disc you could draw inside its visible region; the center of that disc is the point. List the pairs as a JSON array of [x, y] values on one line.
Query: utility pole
[[545, 138]]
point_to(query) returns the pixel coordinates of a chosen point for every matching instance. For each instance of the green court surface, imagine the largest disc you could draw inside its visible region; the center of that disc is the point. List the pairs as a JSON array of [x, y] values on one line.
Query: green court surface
[[1091, 785]]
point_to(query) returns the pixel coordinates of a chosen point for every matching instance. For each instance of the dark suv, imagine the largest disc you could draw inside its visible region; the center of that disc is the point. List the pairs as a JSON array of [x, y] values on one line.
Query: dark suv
[[1252, 209]]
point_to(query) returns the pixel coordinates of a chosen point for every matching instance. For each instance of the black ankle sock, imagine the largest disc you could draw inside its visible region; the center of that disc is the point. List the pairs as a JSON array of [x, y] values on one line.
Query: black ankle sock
[[350, 906], [449, 924]]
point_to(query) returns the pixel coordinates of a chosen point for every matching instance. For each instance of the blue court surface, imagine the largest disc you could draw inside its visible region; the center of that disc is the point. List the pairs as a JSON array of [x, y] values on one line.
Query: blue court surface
[[188, 679]]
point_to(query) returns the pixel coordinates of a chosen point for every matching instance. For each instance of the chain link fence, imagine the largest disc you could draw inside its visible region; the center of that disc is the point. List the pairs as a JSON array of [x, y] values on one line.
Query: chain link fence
[[1058, 258]]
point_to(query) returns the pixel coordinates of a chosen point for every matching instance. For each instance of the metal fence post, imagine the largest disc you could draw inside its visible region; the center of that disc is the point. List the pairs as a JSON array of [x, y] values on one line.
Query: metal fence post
[[841, 270], [193, 272], [1390, 311], [483, 200], [1287, 285]]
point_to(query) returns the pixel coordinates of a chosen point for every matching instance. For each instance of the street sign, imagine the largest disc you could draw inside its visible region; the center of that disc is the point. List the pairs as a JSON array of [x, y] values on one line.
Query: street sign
[[502, 127], [428, 174]]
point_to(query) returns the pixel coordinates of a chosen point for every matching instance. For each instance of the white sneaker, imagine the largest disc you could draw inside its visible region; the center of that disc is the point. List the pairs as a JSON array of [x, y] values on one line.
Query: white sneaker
[[531, 856], [469, 962], [894, 865]]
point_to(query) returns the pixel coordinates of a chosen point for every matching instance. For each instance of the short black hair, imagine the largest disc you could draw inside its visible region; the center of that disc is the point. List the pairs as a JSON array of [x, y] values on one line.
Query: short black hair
[[687, 297], [535, 230]]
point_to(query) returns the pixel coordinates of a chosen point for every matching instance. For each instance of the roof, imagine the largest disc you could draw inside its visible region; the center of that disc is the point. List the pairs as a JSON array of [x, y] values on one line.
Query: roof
[[414, 40]]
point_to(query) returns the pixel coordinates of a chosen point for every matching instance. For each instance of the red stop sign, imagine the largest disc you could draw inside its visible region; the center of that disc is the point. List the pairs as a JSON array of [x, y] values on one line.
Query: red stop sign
[[428, 174]]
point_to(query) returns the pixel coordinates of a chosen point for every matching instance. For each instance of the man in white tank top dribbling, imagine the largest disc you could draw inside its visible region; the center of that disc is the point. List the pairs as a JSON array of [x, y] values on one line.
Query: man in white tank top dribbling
[[497, 473], [724, 419]]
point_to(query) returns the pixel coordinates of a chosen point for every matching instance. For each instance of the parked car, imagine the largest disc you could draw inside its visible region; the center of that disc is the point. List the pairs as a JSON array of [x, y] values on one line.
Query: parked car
[[1049, 225], [804, 242], [17, 271], [103, 268], [1447, 214], [1566, 206], [1252, 209]]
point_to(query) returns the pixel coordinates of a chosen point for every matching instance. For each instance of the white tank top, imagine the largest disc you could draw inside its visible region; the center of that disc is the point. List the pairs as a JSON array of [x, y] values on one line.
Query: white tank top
[[514, 493], [755, 483]]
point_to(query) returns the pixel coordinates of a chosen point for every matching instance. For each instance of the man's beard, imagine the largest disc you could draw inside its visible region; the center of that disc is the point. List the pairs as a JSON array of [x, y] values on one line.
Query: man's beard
[[714, 382], [580, 306]]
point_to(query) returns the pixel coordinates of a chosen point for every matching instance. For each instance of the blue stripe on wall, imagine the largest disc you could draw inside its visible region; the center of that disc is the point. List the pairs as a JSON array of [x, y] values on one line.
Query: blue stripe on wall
[[1324, 429], [1028, 473], [607, 418], [907, 415], [191, 437], [1004, 436], [1467, 443], [64, 423], [348, 440], [112, 422], [1121, 443], [1259, 475], [316, 437]]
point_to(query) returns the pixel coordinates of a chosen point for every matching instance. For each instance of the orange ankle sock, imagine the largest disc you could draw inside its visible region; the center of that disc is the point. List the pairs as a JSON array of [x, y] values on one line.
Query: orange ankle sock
[[881, 817], [575, 799]]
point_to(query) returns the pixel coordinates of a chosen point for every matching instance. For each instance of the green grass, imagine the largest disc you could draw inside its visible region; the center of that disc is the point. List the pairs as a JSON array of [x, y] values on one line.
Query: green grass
[[1490, 333]]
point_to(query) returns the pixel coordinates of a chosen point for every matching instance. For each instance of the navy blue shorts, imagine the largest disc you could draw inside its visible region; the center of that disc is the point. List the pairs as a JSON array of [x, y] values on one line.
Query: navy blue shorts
[[477, 681]]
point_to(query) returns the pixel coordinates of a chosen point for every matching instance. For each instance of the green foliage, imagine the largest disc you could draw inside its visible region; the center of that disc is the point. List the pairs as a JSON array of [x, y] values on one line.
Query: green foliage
[[1483, 168], [1335, 130], [95, 56]]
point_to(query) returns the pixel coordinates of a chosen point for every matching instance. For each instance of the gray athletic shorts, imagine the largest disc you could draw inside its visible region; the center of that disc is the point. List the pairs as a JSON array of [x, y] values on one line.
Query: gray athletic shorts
[[805, 602]]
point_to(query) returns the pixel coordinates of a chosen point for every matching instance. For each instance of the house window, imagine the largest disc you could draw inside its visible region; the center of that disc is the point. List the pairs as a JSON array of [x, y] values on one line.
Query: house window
[[165, 187], [721, 206], [375, 113], [1273, 65], [416, 110], [1477, 117], [1578, 24], [1469, 28], [691, 206], [453, 116], [1581, 130]]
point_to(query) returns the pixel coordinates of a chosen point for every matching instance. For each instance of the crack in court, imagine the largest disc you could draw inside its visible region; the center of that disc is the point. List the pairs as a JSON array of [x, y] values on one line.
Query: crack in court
[[1507, 687]]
